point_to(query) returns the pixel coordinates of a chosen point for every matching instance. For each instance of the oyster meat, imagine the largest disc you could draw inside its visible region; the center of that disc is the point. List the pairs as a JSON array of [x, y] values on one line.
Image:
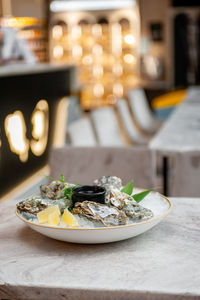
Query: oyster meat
[[109, 182], [109, 216]]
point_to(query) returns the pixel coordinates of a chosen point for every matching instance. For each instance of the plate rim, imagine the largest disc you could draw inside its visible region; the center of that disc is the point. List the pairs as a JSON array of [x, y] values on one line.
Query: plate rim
[[100, 228]]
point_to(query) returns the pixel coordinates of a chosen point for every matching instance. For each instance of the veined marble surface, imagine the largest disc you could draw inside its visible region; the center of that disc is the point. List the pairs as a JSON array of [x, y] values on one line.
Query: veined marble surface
[[162, 263], [181, 132]]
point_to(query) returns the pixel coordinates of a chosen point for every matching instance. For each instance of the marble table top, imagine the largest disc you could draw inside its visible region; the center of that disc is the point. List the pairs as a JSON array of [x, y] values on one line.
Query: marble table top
[[181, 132], [162, 263]]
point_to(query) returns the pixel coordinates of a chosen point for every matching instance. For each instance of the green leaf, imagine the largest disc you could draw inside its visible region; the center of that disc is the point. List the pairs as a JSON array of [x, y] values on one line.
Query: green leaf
[[128, 189], [67, 192], [62, 177], [139, 196]]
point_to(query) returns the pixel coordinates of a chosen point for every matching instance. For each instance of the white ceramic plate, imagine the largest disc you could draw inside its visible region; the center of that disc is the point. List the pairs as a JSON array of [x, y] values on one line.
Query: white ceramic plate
[[159, 204]]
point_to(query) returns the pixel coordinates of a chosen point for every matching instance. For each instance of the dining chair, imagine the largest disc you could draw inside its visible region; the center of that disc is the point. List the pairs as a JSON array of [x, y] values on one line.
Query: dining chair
[[106, 127], [81, 133], [85, 164], [74, 111], [134, 134], [141, 110]]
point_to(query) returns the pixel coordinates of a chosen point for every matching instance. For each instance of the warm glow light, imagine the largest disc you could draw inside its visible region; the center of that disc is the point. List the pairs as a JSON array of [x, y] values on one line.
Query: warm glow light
[[15, 129], [118, 89], [76, 32], [129, 59], [111, 99], [89, 41], [98, 90], [129, 39], [97, 49], [87, 60], [40, 122], [77, 51], [58, 51], [59, 134], [116, 39], [57, 32], [97, 70], [97, 30], [117, 69]]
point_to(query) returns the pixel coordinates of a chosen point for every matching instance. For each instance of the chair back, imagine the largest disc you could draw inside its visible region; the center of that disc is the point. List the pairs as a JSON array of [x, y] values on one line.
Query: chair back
[[106, 127], [81, 133], [131, 129], [85, 164], [74, 111], [141, 110]]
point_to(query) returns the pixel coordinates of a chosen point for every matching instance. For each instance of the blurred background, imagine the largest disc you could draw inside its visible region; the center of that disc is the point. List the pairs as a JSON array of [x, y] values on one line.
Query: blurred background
[[90, 73]]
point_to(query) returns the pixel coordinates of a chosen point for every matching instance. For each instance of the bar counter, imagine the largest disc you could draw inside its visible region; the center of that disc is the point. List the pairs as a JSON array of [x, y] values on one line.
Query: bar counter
[[162, 263], [29, 95]]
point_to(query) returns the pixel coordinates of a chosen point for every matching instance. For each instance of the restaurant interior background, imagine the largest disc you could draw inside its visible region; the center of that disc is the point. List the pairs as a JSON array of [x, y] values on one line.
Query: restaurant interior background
[[93, 73]]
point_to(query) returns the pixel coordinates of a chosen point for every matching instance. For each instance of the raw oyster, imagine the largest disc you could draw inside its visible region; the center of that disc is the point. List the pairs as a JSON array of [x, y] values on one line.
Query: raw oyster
[[126, 203], [54, 189], [35, 204], [117, 198], [109, 182], [31, 205], [135, 211], [109, 216]]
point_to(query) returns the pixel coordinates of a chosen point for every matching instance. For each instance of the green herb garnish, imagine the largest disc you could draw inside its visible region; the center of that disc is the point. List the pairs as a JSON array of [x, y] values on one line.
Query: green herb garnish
[[67, 192], [140, 196], [128, 189], [62, 179]]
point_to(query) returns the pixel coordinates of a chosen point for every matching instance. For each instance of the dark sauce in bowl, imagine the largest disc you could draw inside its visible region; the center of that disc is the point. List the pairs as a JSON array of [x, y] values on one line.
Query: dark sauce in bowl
[[89, 193]]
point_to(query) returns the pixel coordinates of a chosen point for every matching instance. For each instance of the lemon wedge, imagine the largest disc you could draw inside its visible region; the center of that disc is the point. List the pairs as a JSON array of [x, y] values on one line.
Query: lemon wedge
[[69, 218], [53, 218], [44, 214]]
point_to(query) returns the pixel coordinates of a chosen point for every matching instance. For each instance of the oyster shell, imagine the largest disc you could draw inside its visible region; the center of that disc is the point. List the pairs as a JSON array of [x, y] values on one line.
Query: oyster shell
[[31, 205], [35, 204], [135, 211], [109, 216], [109, 182], [54, 189], [124, 202]]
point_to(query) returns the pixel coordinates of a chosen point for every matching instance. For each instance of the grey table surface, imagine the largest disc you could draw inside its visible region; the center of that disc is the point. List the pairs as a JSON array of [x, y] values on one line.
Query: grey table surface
[[181, 132], [162, 263]]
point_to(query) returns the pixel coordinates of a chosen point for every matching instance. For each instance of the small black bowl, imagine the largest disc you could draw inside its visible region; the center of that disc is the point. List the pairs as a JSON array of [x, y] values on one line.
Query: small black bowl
[[90, 193]]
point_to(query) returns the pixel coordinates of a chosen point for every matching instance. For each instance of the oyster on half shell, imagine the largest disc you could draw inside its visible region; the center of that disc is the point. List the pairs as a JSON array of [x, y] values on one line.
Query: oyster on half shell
[[35, 204], [109, 216], [54, 189], [109, 182], [127, 204]]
